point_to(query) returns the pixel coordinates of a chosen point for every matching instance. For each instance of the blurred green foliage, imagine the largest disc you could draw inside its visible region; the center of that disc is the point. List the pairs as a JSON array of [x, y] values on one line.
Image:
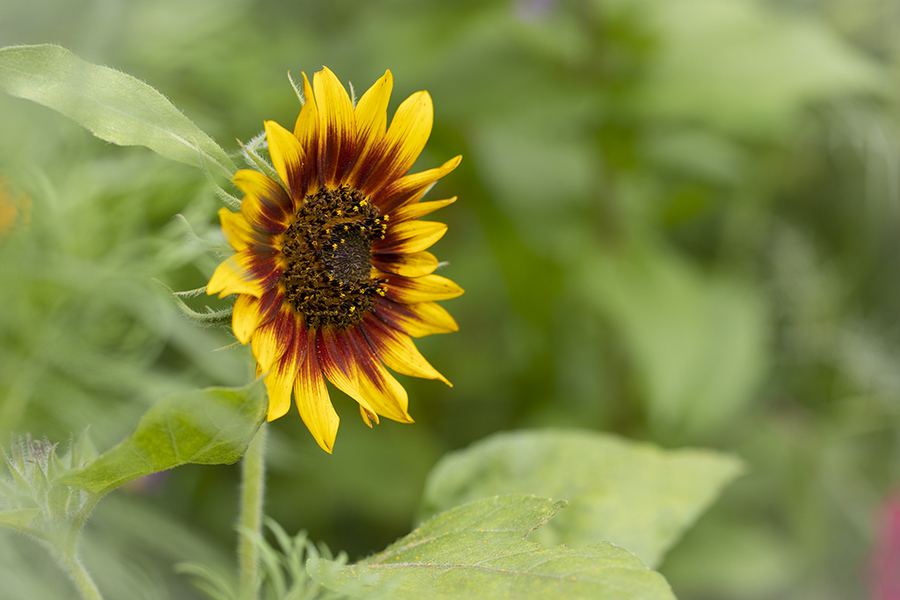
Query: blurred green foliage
[[677, 222]]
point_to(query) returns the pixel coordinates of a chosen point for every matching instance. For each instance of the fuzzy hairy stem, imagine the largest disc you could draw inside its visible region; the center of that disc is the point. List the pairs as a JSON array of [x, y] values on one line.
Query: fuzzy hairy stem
[[79, 575], [253, 474]]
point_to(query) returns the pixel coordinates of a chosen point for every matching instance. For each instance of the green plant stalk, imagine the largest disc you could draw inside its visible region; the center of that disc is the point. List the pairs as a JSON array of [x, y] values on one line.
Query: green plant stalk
[[253, 474], [79, 575], [66, 553]]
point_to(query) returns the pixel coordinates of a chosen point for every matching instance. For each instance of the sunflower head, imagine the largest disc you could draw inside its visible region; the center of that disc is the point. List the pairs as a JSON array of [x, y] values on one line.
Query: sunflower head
[[331, 269]]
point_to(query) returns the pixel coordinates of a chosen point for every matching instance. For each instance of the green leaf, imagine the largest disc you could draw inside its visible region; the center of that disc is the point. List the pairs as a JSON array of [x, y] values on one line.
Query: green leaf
[[478, 551], [637, 496], [114, 106], [211, 426]]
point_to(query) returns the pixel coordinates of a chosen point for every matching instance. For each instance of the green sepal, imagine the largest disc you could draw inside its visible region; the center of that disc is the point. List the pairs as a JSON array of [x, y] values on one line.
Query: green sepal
[[253, 158], [228, 199], [210, 318], [298, 89]]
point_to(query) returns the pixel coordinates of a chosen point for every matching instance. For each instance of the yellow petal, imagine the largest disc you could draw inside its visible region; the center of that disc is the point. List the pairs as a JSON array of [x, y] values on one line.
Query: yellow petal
[[280, 380], [245, 317], [371, 121], [407, 265], [234, 276], [306, 128], [417, 320], [339, 364], [419, 209], [404, 141], [398, 351], [385, 394], [279, 384], [270, 303], [287, 158], [266, 205], [368, 417], [336, 128], [237, 230], [410, 236], [254, 270], [272, 340], [421, 289], [250, 313], [312, 400], [411, 188], [380, 388]]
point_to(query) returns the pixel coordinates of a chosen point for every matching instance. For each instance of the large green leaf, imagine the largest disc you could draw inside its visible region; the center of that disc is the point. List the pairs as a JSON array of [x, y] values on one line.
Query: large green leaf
[[479, 551], [211, 426], [114, 106], [635, 495]]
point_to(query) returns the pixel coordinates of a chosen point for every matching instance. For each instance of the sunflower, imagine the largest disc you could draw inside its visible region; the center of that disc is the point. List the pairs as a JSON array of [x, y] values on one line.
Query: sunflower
[[331, 270]]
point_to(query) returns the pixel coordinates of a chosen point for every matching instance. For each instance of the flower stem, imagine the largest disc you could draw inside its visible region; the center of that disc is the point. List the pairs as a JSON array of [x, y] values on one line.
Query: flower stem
[[79, 575], [253, 474]]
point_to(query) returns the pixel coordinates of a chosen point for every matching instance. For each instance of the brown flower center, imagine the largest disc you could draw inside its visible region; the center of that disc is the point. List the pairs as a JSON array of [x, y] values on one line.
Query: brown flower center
[[329, 256]]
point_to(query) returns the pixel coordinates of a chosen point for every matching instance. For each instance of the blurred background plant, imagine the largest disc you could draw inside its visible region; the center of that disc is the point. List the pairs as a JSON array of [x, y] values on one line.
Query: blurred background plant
[[677, 222]]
